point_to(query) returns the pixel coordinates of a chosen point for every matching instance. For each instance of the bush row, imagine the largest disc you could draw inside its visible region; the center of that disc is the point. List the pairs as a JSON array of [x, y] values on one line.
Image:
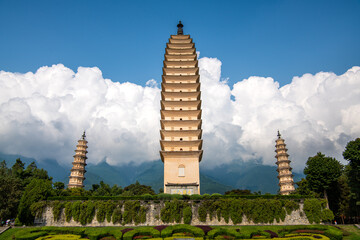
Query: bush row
[[164, 196], [176, 211], [170, 230], [84, 211], [256, 210], [287, 232]]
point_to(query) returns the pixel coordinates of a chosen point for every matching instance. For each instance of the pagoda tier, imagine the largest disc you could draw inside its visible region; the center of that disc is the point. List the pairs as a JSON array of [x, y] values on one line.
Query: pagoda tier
[[181, 143], [76, 178], [180, 79], [285, 175]]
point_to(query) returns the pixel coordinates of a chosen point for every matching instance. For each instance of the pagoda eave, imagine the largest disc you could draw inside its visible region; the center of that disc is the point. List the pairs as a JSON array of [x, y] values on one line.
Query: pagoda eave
[[190, 133], [181, 79], [181, 154]]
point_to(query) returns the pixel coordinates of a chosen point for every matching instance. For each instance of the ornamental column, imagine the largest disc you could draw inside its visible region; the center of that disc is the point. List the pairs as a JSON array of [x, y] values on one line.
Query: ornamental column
[[285, 176], [76, 179], [181, 143]]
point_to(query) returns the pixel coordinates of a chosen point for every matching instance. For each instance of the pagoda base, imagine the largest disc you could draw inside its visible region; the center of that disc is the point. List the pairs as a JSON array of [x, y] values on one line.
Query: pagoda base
[[182, 188]]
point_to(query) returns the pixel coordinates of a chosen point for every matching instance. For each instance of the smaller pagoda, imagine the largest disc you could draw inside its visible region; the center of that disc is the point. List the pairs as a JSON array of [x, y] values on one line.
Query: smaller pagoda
[[77, 178], [285, 176]]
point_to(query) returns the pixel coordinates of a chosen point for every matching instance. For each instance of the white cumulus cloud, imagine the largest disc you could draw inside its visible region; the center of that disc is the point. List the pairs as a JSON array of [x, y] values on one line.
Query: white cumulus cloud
[[43, 114]]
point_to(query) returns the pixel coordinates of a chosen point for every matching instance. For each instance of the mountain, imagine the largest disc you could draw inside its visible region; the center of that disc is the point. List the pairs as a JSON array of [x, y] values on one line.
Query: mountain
[[235, 175], [247, 175]]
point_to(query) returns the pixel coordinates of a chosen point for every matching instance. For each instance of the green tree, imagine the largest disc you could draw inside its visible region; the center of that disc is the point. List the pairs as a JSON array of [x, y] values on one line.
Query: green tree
[[36, 190], [10, 192], [352, 154], [238, 192], [343, 196], [322, 173], [304, 188], [18, 169], [138, 189]]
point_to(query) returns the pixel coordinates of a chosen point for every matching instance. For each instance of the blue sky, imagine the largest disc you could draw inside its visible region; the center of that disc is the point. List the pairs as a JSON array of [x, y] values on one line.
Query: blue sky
[[127, 39], [253, 44]]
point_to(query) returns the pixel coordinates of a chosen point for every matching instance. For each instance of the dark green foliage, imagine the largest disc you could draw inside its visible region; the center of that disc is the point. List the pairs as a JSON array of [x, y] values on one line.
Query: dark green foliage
[[68, 211], [173, 211], [75, 210], [202, 211], [101, 212], [238, 192], [37, 208], [290, 206], [170, 230], [109, 208], [143, 231], [10, 192], [187, 214], [327, 215], [258, 210], [36, 190], [236, 211], [316, 212], [57, 207], [134, 212], [12, 185], [138, 189], [104, 189], [117, 215], [352, 154], [87, 212], [322, 172]]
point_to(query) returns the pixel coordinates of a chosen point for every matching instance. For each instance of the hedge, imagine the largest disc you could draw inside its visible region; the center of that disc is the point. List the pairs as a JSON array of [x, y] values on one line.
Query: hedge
[[170, 230], [223, 231], [257, 210], [146, 231], [30, 235], [329, 231], [165, 196]]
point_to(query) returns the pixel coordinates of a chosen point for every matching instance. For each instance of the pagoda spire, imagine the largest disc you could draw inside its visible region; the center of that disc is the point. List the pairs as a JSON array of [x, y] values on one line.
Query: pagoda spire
[[181, 134], [76, 179], [180, 30], [285, 176]]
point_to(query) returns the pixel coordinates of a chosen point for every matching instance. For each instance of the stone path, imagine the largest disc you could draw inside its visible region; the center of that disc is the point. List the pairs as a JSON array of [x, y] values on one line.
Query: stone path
[[357, 225], [3, 229]]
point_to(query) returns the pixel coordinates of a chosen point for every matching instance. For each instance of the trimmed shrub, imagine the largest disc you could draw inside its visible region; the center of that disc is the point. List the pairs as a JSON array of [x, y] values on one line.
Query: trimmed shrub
[[170, 230], [223, 231], [117, 216], [23, 235], [68, 211], [75, 210], [57, 206], [101, 212], [147, 231], [187, 214]]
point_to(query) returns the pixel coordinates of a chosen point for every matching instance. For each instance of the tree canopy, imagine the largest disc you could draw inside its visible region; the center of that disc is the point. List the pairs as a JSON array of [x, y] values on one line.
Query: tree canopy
[[321, 172], [352, 154], [138, 189]]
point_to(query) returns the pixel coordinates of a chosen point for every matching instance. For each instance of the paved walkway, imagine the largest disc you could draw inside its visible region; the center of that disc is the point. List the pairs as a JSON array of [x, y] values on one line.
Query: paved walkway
[[357, 225], [3, 229]]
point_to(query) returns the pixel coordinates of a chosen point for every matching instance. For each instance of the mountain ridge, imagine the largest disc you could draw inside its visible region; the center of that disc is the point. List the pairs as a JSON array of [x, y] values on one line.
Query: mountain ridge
[[236, 175]]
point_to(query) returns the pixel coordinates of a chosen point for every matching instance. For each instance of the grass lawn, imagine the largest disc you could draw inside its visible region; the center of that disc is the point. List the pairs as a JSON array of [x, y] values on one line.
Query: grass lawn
[[350, 232], [8, 233]]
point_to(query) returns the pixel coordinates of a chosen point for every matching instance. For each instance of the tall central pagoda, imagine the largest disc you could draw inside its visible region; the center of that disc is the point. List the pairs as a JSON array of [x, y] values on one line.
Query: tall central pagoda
[[181, 143]]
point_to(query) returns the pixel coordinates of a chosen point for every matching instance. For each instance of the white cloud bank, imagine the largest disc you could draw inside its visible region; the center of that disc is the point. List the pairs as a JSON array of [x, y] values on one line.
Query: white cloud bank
[[43, 114]]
